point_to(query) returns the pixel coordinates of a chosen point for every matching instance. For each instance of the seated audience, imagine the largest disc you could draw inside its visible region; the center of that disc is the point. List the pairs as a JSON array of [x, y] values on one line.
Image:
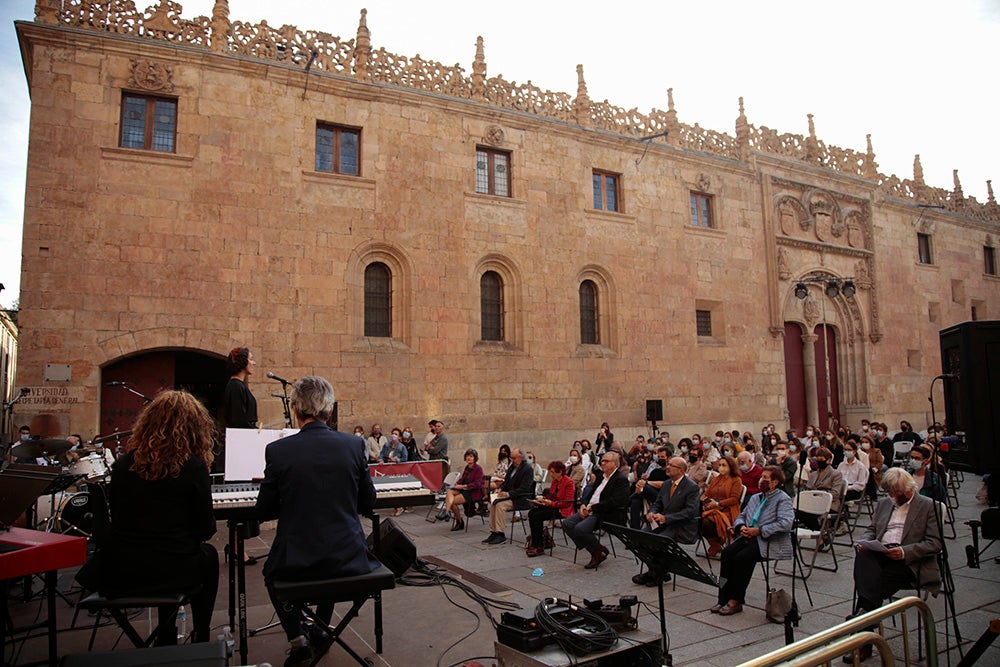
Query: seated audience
[[607, 503], [468, 489], [750, 472], [514, 493], [789, 466], [316, 483], [854, 472], [762, 530], [160, 501], [575, 469], [673, 514], [503, 465], [393, 451], [647, 488], [721, 504], [697, 468], [557, 501], [823, 478], [930, 483]]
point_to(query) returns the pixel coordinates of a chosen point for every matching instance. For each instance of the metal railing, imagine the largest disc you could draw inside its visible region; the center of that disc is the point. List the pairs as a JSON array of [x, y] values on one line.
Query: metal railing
[[823, 646]]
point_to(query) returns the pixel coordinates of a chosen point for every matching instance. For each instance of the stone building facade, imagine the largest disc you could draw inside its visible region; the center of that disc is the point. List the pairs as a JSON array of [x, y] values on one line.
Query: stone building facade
[[521, 263]]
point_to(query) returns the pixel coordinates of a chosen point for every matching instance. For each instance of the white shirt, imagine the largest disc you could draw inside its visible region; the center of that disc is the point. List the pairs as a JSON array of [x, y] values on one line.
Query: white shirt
[[596, 498], [855, 473], [897, 520]]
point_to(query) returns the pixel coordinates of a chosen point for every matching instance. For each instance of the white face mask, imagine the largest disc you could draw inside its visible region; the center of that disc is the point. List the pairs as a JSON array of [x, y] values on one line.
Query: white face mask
[[865, 446], [809, 433], [406, 435], [849, 456], [792, 448], [574, 459]]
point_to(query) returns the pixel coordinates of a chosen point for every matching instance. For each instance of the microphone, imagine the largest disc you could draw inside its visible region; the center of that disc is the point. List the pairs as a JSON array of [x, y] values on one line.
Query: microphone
[[949, 376], [25, 391], [114, 383], [275, 377]]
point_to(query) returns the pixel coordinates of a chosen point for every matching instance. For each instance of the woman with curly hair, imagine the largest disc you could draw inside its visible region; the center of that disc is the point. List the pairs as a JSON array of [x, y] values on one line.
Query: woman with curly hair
[[160, 502], [239, 407]]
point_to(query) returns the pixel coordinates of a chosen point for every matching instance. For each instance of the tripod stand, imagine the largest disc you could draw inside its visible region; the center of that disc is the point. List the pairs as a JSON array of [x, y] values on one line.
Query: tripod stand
[[947, 582]]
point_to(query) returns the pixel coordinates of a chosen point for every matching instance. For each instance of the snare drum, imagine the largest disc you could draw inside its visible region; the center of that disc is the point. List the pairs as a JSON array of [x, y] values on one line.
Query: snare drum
[[76, 515], [93, 466]]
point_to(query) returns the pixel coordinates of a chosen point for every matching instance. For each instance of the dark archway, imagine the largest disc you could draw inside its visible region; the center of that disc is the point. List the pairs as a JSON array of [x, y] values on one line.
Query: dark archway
[[201, 373]]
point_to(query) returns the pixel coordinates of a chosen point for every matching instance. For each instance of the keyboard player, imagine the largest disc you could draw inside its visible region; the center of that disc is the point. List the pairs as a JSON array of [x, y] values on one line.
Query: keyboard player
[[316, 482]]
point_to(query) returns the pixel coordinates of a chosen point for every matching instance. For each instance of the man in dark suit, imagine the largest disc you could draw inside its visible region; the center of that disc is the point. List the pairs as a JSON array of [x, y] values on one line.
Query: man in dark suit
[[608, 503], [516, 490], [316, 482], [674, 513]]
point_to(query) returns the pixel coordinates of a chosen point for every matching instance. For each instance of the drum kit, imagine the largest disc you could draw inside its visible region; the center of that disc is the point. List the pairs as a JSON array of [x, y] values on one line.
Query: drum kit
[[63, 510]]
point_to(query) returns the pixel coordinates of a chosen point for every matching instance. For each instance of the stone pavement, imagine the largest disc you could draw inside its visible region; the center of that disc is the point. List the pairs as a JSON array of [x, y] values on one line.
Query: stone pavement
[[426, 626]]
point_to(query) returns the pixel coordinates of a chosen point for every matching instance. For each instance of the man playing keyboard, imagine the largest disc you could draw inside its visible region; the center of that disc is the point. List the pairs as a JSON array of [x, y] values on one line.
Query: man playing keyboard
[[316, 482]]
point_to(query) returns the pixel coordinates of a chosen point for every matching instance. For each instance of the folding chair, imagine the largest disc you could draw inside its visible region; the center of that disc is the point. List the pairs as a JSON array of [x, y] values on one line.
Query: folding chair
[[479, 507], [439, 497], [556, 522], [816, 504]]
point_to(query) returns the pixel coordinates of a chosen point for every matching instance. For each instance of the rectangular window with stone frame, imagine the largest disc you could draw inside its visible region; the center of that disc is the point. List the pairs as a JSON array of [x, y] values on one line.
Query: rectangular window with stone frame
[[607, 191], [148, 123], [701, 210], [703, 323], [492, 172], [338, 149], [989, 260], [924, 248]]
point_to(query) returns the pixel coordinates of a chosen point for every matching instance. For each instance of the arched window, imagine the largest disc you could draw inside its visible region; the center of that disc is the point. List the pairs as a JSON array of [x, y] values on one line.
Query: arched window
[[588, 313], [378, 300], [491, 305]]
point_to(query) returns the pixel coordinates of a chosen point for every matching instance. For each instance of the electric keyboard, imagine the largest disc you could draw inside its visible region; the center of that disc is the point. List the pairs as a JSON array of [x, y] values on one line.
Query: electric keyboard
[[236, 500], [400, 491]]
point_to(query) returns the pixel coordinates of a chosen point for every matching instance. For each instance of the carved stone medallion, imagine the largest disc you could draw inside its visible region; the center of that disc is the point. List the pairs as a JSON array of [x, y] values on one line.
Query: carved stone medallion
[[151, 76], [495, 135]]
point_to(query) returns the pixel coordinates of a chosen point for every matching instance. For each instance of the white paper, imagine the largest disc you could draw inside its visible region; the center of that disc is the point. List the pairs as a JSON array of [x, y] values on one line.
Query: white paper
[[245, 451], [871, 545]]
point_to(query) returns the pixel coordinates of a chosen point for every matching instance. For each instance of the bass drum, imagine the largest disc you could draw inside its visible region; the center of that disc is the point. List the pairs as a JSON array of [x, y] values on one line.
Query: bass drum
[[76, 515]]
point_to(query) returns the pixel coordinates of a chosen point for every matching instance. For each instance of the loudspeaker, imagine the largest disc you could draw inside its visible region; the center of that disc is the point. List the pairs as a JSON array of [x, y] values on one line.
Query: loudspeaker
[[654, 410], [396, 550], [971, 351]]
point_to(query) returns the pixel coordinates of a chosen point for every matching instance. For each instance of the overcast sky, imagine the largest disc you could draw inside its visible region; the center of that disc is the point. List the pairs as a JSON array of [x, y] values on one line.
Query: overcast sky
[[920, 76]]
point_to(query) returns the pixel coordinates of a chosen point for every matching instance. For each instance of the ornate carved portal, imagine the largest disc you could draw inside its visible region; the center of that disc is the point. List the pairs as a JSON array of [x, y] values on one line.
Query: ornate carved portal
[[847, 345]]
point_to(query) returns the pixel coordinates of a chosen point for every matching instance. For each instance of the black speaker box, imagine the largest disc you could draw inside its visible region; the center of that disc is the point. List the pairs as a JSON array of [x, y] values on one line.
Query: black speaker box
[[396, 550], [654, 410], [971, 351]]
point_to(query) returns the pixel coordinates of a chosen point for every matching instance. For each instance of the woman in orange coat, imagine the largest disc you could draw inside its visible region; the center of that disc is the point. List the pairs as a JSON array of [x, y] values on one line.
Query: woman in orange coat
[[721, 504]]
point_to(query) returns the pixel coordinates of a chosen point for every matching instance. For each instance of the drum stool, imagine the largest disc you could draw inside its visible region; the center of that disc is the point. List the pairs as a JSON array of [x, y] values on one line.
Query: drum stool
[[116, 608], [357, 590]]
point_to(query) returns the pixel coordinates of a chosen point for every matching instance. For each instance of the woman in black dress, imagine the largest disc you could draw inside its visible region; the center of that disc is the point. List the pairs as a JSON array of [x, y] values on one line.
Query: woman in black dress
[[160, 501], [239, 407]]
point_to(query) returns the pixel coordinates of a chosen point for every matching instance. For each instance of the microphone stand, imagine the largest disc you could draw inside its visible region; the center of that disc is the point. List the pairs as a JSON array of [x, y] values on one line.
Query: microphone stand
[[284, 400], [948, 584], [146, 400], [8, 411]]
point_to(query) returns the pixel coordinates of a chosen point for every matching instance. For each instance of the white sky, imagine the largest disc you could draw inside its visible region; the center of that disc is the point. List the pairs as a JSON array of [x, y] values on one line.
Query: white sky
[[920, 76]]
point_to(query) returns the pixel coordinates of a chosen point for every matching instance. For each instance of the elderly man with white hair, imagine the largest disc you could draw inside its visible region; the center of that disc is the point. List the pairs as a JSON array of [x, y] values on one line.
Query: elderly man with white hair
[[898, 550]]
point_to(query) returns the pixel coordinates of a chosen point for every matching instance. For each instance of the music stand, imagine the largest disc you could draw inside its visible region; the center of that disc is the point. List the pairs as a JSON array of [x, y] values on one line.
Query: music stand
[[663, 554]]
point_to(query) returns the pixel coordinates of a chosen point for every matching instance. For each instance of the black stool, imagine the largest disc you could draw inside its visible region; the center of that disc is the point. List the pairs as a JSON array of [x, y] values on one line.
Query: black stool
[[115, 607], [357, 589]]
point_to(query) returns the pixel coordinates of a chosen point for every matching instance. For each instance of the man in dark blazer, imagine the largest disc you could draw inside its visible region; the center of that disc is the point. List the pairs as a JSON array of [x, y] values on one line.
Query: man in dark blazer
[[516, 491], [316, 482], [608, 502], [906, 525], [674, 514]]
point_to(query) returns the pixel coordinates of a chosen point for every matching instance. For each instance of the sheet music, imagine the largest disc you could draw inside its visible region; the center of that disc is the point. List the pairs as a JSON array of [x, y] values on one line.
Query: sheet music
[[245, 451]]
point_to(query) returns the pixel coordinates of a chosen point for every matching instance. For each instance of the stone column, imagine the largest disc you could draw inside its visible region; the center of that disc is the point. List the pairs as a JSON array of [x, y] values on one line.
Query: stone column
[[809, 373]]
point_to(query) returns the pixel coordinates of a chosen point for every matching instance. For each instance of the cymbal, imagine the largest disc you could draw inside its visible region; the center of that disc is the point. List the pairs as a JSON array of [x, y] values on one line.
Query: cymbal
[[31, 449], [112, 436], [55, 445]]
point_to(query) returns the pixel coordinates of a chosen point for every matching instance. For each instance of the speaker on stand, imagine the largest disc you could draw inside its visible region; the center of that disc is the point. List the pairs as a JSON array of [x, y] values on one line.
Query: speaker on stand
[[654, 412]]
